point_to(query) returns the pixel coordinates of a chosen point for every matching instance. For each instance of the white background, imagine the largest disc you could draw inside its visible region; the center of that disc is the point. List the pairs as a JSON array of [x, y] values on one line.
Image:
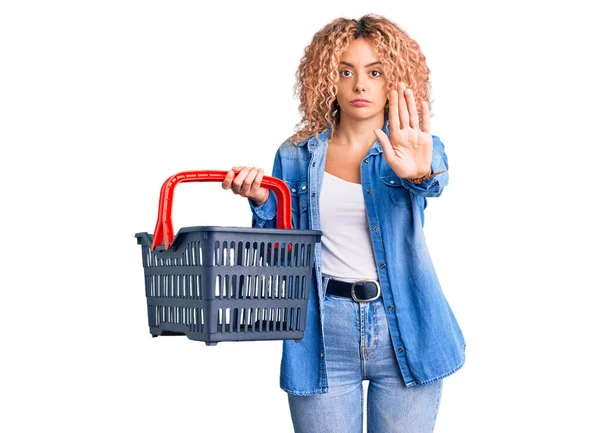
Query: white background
[[101, 101]]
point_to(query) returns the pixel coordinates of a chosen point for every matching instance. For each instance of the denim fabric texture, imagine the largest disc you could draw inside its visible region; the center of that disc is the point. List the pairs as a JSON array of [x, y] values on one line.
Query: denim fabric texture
[[427, 340], [359, 347]]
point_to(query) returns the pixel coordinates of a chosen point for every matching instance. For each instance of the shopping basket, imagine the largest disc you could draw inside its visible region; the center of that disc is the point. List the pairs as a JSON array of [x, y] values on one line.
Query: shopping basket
[[217, 284]]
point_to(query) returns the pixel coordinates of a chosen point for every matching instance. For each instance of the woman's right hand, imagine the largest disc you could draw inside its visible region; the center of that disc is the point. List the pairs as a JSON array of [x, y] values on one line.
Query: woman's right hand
[[247, 184]]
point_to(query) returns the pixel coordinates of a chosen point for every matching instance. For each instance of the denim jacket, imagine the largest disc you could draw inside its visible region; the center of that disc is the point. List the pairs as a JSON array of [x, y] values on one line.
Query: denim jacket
[[427, 339]]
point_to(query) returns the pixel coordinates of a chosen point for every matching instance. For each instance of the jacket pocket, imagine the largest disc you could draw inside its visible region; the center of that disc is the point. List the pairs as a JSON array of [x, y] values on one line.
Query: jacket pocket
[[299, 193], [399, 194]]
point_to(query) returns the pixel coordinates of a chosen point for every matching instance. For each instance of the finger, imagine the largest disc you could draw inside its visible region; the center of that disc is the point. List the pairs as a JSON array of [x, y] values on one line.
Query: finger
[[257, 181], [412, 109], [426, 120], [393, 111], [259, 178], [226, 184], [247, 184], [239, 179], [402, 108], [388, 151], [235, 169]]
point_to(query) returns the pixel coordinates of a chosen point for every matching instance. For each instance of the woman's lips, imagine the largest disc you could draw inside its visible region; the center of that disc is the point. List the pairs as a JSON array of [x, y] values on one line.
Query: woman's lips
[[360, 103]]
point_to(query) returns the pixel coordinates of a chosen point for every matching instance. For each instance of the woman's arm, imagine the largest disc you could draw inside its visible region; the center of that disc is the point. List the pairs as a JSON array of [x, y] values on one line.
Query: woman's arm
[[263, 216]]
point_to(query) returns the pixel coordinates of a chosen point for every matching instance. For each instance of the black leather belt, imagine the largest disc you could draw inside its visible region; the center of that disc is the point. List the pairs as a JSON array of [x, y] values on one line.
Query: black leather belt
[[360, 290]]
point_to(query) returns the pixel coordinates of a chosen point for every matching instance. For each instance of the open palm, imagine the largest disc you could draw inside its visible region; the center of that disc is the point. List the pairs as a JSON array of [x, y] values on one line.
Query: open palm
[[408, 150]]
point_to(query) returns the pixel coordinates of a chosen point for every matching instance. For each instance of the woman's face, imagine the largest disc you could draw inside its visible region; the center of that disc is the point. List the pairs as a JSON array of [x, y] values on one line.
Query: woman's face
[[361, 77]]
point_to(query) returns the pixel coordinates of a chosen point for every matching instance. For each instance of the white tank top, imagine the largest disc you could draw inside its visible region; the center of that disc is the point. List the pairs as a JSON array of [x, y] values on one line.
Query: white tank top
[[346, 250]]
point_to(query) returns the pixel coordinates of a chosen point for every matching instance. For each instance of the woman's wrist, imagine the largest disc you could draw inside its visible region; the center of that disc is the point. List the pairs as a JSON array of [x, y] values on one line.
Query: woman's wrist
[[421, 178], [260, 202]]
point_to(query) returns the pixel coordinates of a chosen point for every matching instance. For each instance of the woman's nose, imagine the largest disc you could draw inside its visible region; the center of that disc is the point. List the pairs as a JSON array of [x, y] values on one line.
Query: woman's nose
[[359, 85]]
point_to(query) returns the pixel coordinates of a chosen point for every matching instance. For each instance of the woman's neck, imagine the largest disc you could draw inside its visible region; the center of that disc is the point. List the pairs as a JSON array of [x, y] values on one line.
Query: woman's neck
[[356, 135]]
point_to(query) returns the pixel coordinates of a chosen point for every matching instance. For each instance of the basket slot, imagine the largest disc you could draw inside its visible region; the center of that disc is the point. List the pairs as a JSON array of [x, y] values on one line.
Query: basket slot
[[246, 314], [278, 285], [270, 323], [304, 293], [263, 249], [252, 318], [215, 260], [196, 287], [285, 321], [259, 288], [279, 323], [235, 320], [301, 288], [298, 316], [254, 255], [236, 290], [270, 254], [146, 256]]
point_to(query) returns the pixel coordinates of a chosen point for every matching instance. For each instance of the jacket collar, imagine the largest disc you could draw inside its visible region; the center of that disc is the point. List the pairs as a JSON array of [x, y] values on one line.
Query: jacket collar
[[318, 140]]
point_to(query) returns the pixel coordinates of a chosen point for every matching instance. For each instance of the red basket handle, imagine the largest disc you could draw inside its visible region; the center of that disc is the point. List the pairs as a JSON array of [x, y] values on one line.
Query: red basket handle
[[163, 233]]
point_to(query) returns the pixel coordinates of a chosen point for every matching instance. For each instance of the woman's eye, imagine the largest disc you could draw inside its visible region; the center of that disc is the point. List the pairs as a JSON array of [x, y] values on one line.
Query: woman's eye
[[346, 70]]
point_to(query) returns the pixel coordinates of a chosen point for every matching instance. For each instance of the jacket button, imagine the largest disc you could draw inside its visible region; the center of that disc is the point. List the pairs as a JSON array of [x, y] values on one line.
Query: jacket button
[[368, 191], [391, 307], [366, 162], [293, 189], [322, 355], [392, 182], [382, 265], [375, 229], [313, 194], [303, 187], [400, 350]]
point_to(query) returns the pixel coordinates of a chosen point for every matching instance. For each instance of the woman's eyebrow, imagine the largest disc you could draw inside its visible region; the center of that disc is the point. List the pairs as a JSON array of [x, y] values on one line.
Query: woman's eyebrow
[[366, 66]]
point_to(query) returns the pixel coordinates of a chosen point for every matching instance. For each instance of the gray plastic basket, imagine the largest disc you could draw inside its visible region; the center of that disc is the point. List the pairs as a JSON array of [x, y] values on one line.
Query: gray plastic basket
[[227, 283]]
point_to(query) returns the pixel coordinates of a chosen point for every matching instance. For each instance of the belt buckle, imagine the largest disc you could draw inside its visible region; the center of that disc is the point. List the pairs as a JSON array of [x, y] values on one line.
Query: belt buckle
[[365, 281]]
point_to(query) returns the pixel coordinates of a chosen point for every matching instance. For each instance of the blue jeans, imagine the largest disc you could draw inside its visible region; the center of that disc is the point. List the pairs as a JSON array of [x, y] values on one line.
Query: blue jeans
[[358, 347]]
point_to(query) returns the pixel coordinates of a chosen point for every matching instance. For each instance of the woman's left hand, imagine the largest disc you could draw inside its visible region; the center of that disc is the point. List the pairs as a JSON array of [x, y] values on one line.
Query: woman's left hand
[[410, 151]]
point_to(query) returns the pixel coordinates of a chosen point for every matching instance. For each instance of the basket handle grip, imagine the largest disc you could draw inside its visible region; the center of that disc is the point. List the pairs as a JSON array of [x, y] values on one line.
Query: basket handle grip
[[163, 232]]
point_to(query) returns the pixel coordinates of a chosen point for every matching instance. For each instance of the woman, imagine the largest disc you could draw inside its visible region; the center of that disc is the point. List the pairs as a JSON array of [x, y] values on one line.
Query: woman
[[360, 169]]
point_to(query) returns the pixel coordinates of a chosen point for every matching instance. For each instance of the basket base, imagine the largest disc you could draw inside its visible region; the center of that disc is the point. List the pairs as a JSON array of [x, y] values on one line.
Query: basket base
[[214, 338]]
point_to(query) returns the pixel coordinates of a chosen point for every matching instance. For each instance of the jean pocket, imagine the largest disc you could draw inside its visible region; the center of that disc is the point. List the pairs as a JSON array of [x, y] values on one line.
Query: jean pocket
[[399, 194], [299, 194]]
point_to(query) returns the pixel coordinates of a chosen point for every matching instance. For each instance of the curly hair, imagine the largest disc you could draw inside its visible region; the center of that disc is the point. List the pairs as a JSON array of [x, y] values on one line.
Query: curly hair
[[317, 74]]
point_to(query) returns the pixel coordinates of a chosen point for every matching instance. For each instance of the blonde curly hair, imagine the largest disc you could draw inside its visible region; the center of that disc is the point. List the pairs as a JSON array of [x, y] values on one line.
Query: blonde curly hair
[[317, 74]]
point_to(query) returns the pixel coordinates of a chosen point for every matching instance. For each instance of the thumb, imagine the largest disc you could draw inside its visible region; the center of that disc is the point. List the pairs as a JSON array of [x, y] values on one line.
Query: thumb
[[388, 152]]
